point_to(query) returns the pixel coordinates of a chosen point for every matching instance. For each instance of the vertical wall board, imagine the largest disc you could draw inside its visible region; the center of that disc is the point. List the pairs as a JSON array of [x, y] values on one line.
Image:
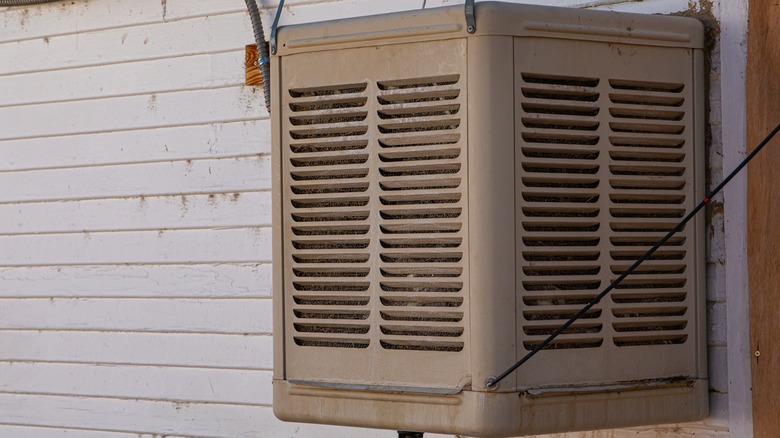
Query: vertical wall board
[[763, 114]]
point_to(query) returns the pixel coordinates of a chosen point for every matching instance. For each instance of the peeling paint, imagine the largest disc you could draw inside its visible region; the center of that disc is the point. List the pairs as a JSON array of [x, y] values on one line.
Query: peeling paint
[[152, 106], [24, 18]]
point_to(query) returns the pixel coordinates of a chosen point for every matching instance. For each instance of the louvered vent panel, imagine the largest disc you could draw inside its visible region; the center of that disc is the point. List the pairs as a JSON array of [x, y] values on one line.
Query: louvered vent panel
[[374, 215], [329, 215], [648, 181], [422, 213], [560, 222]]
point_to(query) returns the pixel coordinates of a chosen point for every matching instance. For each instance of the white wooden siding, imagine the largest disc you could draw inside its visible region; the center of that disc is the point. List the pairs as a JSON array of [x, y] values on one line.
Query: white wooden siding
[[214, 140], [135, 218]]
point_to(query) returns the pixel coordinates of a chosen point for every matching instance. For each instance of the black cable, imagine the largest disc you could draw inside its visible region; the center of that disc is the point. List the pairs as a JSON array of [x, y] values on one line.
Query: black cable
[[493, 381]]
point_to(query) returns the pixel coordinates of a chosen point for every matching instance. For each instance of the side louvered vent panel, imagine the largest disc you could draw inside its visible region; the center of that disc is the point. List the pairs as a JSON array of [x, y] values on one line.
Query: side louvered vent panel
[[560, 214], [647, 177], [373, 209], [329, 208], [422, 213]]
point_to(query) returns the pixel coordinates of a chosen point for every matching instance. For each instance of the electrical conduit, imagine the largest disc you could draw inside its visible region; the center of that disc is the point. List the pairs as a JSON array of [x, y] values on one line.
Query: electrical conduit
[[262, 51], [24, 2]]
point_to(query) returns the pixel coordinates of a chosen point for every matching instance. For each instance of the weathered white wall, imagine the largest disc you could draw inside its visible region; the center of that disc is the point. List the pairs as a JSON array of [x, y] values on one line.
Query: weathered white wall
[[135, 214]]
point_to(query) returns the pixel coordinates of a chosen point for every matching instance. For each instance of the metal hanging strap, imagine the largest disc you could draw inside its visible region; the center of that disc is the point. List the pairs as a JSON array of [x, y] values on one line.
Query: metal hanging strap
[[275, 26], [471, 22]]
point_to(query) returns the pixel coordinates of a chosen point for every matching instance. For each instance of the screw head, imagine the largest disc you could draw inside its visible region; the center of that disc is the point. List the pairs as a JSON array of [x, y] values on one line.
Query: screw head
[[757, 353], [470, 29], [490, 385]]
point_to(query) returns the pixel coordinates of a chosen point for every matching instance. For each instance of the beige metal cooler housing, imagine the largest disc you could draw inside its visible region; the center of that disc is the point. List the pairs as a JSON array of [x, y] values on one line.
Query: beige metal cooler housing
[[444, 200]]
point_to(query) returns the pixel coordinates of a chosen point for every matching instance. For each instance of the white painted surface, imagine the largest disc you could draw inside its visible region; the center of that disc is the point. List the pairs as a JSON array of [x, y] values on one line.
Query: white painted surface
[[215, 140], [197, 350], [171, 178], [249, 209], [138, 281], [733, 59], [134, 222]]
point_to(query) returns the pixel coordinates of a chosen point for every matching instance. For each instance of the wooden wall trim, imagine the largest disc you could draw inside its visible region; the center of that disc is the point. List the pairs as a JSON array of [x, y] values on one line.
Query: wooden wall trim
[[763, 113]]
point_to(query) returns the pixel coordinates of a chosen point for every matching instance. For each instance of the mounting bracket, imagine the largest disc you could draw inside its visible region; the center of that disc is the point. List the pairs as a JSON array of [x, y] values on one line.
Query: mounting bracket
[[471, 22], [274, 26]]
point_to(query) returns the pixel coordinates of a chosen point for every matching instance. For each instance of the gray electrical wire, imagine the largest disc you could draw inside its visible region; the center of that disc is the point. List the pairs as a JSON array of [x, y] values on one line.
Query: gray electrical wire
[[262, 51], [25, 2]]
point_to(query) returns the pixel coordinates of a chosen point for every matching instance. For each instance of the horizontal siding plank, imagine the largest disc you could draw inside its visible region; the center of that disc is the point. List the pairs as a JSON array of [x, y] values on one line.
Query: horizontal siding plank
[[346, 9], [138, 382], [145, 77], [178, 9], [303, 11], [649, 6], [164, 418], [150, 41], [297, 11], [140, 281], [55, 432], [236, 316], [227, 175], [657, 6], [138, 146], [113, 348], [142, 213], [244, 245], [56, 19], [132, 112]]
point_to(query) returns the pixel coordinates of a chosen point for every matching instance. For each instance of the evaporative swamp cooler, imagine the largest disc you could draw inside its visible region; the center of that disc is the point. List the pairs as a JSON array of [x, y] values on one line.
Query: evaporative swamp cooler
[[444, 200]]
